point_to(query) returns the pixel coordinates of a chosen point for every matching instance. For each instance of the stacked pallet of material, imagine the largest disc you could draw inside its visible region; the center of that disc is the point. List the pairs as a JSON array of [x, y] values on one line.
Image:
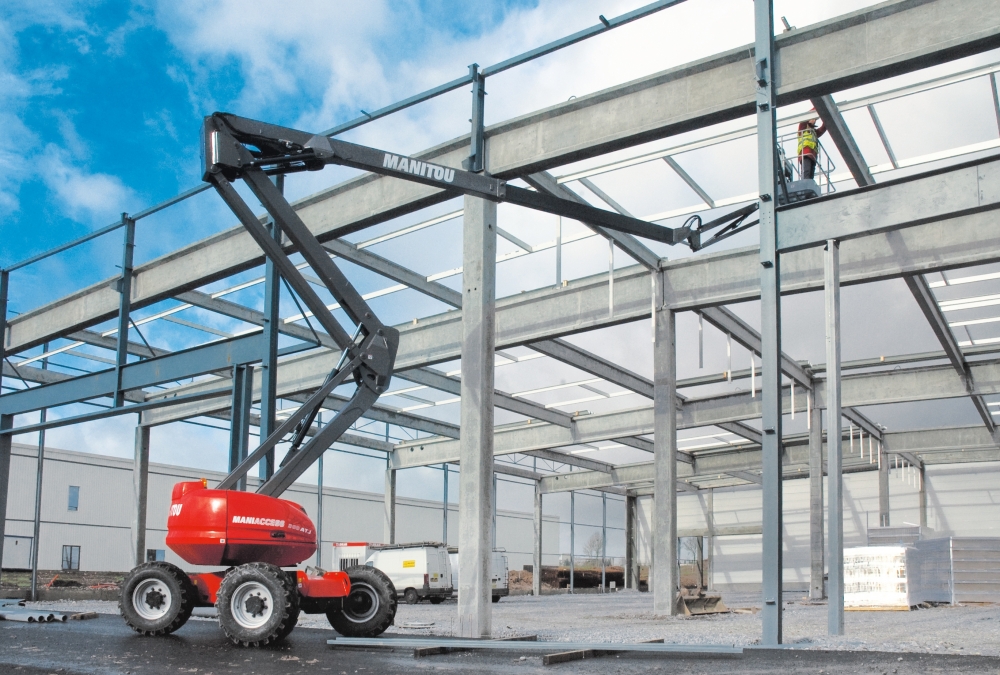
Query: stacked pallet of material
[[875, 578], [960, 569]]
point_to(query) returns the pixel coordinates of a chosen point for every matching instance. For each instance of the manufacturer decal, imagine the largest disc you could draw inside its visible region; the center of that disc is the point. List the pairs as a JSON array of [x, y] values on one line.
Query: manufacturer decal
[[250, 520], [409, 563], [418, 168], [175, 509]]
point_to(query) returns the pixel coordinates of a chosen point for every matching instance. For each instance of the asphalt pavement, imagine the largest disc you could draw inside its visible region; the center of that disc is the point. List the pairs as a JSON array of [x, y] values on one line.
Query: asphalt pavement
[[106, 646]]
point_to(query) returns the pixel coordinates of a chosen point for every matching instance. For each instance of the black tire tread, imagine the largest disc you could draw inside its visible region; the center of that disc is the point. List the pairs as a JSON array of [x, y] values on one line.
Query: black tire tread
[[387, 610], [186, 592], [289, 608]]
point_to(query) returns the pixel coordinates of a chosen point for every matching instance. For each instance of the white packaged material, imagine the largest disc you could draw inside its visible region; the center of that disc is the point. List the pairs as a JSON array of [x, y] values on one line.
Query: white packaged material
[[875, 577]]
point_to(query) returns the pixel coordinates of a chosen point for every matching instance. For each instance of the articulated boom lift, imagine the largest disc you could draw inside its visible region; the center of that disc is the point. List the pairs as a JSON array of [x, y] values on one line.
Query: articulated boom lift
[[255, 535]]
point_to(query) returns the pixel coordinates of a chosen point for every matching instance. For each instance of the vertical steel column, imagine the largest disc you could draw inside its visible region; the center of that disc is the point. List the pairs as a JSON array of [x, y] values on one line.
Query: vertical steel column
[[710, 544], [6, 422], [479, 245], [631, 561], [389, 521], [444, 507], [883, 486], [572, 541], [477, 150], [834, 446], [239, 415], [664, 582], [604, 537], [269, 362], [922, 496], [4, 290], [37, 525], [536, 561], [124, 307], [816, 552], [770, 320], [494, 510], [319, 502], [140, 492]]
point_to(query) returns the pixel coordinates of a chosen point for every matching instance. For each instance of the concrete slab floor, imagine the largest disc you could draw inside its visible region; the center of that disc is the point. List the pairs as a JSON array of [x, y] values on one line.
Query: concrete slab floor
[[628, 617]]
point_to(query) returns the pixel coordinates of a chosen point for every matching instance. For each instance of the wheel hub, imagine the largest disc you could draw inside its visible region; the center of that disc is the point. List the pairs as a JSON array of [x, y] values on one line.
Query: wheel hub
[[151, 599], [256, 605], [154, 599]]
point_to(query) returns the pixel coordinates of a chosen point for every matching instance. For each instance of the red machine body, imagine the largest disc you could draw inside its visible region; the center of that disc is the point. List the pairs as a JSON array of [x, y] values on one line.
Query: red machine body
[[229, 527]]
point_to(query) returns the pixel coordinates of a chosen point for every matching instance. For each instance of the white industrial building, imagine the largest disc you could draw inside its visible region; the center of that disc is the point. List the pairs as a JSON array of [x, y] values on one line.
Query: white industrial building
[[101, 522]]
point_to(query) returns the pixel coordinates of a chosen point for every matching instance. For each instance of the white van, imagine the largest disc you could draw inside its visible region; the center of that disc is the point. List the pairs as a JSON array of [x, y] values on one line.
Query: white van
[[418, 571], [498, 572]]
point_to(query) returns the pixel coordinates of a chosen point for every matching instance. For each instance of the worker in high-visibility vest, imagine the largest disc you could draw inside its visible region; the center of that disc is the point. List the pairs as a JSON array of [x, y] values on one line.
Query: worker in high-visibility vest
[[809, 135]]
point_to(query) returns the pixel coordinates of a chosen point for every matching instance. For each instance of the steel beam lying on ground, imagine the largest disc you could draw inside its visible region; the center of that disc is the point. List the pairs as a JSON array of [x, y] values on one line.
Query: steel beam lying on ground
[[827, 57]]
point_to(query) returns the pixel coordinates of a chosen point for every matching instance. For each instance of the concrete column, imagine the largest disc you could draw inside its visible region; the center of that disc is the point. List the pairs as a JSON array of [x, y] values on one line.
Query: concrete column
[[816, 551], [140, 490], [479, 245], [710, 539], [631, 560], [664, 582], [6, 422], [922, 496], [572, 542], [834, 449], [444, 506], [883, 487], [389, 521], [536, 561]]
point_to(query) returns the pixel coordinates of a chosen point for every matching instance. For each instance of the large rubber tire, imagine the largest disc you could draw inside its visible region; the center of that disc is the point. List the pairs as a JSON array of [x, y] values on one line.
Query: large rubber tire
[[157, 598], [371, 606], [257, 604]]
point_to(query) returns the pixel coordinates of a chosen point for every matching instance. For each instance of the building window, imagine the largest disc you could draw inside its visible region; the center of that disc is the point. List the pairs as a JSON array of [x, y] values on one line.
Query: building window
[[71, 558], [155, 554], [74, 497]]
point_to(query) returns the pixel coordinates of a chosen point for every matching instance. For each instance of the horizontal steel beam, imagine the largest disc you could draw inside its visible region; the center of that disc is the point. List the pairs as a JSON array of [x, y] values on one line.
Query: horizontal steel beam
[[830, 56], [972, 187], [188, 363]]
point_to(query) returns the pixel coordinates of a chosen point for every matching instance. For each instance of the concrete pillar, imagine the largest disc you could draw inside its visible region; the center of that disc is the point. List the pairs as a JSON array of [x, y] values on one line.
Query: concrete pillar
[[834, 449], [6, 422], [389, 519], [631, 560], [922, 496], [536, 561], [572, 542], [140, 490], [664, 581], [444, 506], [816, 551], [479, 245], [883, 487]]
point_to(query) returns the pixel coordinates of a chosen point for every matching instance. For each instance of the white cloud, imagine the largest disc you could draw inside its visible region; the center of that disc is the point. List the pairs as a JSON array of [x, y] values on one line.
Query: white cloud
[[94, 198]]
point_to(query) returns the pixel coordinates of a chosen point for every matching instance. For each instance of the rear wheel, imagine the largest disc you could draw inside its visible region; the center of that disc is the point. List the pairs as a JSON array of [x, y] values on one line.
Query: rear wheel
[[410, 596], [257, 604], [436, 600], [371, 606], [496, 598], [157, 598]]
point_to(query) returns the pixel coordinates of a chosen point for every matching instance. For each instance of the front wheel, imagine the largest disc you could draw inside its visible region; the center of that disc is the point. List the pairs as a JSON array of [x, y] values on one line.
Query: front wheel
[[157, 598], [371, 606], [436, 599], [257, 605]]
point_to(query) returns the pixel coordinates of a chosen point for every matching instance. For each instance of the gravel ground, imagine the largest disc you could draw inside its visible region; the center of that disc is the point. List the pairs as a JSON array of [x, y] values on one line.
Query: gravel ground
[[628, 617]]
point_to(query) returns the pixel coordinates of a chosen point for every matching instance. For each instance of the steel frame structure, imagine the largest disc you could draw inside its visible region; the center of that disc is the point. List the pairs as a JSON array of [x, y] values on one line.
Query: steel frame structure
[[916, 214]]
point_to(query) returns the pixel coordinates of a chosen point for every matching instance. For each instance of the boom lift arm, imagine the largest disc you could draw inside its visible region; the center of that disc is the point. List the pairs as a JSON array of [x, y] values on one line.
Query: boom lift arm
[[240, 148]]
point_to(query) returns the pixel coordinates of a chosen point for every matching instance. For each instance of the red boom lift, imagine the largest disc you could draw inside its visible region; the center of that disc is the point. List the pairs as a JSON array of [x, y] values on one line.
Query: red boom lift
[[256, 535]]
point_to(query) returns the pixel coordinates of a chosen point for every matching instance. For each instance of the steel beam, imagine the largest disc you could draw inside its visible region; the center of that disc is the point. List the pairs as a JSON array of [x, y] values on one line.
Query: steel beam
[[835, 460], [271, 321], [843, 139], [477, 392], [817, 566], [140, 492], [664, 582], [830, 56], [883, 487], [239, 429], [124, 309], [748, 476], [389, 497]]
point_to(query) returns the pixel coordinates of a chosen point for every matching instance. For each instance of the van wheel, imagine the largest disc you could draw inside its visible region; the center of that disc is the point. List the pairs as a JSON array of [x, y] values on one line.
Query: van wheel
[[410, 596], [157, 598], [496, 598], [257, 604], [436, 600], [370, 607]]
